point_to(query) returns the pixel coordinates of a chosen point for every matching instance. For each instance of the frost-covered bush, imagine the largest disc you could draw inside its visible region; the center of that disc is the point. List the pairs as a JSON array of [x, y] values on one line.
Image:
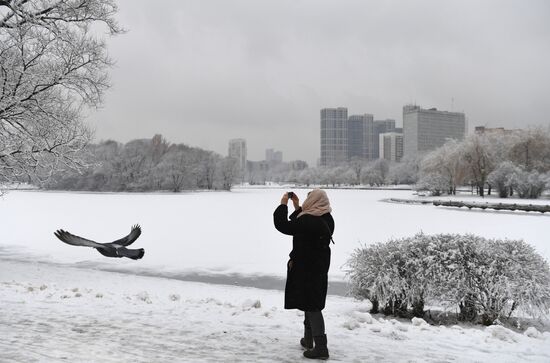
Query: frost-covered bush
[[514, 277], [487, 279], [504, 178], [381, 267], [435, 183], [530, 184]]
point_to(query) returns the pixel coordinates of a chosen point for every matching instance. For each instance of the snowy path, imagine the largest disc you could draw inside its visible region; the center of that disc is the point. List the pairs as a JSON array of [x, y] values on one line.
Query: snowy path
[[64, 314]]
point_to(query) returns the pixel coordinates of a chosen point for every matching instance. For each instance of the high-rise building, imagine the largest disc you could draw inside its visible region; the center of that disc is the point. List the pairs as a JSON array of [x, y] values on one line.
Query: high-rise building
[[391, 146], [360, 136], [237, 150], [380, 127], [428, 129], [273, 156], [334, 135]]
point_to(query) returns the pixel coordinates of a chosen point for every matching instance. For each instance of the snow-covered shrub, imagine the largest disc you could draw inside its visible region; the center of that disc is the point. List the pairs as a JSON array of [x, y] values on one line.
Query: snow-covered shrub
[[504, 178], [525, 276], [435, 183], [530, 184], [487, 279], [383, 274]]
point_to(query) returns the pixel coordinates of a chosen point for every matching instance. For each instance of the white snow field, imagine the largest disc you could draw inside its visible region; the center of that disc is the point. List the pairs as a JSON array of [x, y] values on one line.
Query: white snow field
[[64, 314], [66, 303], [231, 232]]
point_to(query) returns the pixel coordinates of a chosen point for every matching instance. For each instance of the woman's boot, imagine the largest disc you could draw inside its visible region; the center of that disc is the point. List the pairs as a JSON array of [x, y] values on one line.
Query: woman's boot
[[307, 340], [320, 351]]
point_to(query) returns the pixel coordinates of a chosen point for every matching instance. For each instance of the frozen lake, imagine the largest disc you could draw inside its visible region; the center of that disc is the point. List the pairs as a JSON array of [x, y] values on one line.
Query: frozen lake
[[228, 235]]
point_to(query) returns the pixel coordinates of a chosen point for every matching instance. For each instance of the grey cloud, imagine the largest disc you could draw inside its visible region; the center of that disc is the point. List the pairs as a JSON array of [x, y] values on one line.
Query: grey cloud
[[202, 72]]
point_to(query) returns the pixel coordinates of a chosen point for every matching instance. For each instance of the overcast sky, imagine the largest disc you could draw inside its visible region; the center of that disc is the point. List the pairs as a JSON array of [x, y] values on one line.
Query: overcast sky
[[202, 72]]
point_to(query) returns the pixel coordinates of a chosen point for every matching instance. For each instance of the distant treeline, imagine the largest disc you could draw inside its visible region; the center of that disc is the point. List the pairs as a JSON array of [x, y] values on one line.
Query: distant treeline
[[512, 164], [147, 165]]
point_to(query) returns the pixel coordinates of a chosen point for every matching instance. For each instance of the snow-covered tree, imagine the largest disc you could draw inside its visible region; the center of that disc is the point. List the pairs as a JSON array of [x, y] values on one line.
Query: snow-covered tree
[[530, 184], [405, 172], [176, 169], [307, 177], [504, 178], [356, 164], [376, 173], [382, 168], [446, 162], [206, 169], [53, 66], [531, 149], [228, 172], [479, 159], [435, 183]]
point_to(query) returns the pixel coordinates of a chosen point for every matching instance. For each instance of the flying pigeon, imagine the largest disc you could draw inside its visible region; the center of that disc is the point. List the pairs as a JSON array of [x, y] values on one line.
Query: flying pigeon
[[112, 249]]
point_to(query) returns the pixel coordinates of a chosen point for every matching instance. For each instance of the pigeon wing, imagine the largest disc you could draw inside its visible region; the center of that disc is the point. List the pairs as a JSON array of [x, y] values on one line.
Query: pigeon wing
[[71, 239], [130, 238]]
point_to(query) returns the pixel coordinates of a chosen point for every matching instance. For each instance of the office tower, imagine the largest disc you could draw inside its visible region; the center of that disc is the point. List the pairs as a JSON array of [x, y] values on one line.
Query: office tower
[[428, 129], [391, 146], [380, 127], [273, 156], [237, 150], [360, 136], [334, 135]]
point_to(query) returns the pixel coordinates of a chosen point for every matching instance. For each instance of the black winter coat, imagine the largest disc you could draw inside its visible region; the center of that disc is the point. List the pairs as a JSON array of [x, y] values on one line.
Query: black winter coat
[[306, 282]]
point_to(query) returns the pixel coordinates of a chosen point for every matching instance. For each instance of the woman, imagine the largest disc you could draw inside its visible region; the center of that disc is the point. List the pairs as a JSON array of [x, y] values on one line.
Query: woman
[[306, 286]]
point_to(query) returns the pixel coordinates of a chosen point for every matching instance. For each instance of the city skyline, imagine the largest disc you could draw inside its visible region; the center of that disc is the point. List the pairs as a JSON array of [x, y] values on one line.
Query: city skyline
[[261, 71]]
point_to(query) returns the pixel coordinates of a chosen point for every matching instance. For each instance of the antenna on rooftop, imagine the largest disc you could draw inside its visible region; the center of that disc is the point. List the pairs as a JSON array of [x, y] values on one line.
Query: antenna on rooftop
[[452, 103]]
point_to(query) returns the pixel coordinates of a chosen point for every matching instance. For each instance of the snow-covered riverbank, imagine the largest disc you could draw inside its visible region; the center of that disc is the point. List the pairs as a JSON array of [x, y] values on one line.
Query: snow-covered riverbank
[[63, 314]]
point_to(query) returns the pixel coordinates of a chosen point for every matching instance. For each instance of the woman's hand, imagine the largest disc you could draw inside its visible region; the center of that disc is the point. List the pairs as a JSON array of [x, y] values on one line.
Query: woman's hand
[[295, 201], [284, 199]]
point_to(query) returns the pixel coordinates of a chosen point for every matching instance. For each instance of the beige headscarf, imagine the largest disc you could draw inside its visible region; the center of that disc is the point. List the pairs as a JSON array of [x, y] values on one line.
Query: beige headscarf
[[316, 204]]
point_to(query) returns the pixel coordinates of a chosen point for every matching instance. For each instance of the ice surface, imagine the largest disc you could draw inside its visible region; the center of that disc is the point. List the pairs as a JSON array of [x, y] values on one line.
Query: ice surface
[[224, 233]]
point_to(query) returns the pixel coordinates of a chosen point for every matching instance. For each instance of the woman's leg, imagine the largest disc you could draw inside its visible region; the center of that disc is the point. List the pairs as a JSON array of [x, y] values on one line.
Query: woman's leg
[[320, 351], [316, 321], [307, 340]]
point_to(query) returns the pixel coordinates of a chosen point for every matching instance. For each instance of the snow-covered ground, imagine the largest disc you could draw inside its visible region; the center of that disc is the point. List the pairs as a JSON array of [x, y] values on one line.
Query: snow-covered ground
[[60, 313], [65, 303]]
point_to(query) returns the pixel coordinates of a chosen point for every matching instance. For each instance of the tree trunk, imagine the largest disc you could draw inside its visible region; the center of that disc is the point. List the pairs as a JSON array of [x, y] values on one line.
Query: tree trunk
[[418, 308], [467, 309], [375, 306]]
